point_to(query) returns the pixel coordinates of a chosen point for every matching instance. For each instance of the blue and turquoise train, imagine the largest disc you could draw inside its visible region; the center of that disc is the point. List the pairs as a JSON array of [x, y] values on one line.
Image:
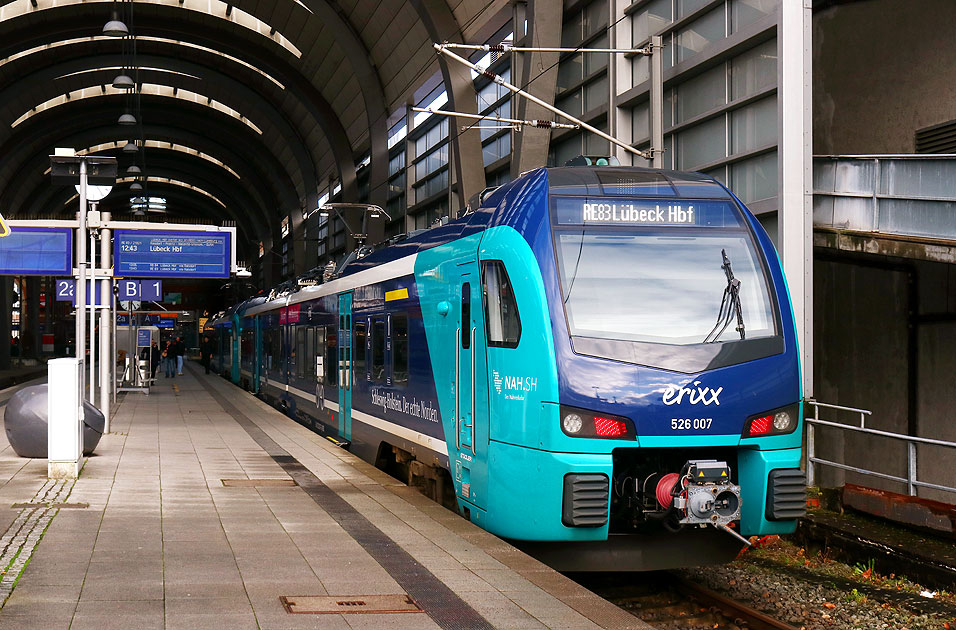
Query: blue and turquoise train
[[597, 363]]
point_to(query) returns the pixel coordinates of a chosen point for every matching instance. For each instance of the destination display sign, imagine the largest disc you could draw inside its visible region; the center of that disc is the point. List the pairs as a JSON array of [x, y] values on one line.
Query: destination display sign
[[643, 212], [37, 251], [172, 254]]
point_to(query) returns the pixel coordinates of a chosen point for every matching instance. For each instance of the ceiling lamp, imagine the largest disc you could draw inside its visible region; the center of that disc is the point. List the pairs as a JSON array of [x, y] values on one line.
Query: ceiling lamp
[[123, 82], [136, 187], [130, 147], [134, 170], [127, 120], [115, 27]]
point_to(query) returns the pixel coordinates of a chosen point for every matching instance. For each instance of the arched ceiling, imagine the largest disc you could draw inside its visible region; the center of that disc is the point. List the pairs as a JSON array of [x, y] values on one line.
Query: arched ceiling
[[246, 108]]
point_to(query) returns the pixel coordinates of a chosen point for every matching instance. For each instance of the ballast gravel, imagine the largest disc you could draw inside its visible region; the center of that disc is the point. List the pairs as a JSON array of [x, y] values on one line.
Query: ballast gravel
[[779, 580]]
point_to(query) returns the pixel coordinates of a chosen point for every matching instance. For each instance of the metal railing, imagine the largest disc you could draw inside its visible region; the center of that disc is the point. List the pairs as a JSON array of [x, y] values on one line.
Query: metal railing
[[911, 480]]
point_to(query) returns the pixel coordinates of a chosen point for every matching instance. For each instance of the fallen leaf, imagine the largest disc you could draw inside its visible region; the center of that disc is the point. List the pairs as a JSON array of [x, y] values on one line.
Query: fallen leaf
[[829, 606]]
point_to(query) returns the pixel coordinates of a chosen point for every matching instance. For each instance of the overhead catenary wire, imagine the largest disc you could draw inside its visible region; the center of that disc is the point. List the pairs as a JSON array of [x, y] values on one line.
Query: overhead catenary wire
[[540, 124], [507, 48], [443, 49]]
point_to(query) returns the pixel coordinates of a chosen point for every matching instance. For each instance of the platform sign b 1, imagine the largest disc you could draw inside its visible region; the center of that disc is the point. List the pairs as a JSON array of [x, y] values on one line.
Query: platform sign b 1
[[142, 290]]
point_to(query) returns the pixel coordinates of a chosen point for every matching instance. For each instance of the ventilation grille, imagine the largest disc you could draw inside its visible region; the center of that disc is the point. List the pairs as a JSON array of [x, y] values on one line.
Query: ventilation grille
[[786, 494], [585, 500], [937, 139]]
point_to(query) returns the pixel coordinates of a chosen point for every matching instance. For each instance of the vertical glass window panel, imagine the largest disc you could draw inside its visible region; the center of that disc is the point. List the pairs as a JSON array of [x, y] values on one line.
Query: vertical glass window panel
[[487, 96], [719, 173], [310, 352], [753, 126], [702, 93], [378, 351], [466, 315], [400, 349], [640, 70], [746, 12], [640, 122], [700, 34], [702, 143], [570, 71], [501, 309], [754, 70], [596, 61], [595, 17], [596, 145], [667, 51], [571, 103], [651, 20], [397, 133], [668, 151], [756, 178], [686, 7], [596, 94], [358, 351], [299, 354], [421, 146], [573, 30], [396, 164], [668, 107], [566, 150]]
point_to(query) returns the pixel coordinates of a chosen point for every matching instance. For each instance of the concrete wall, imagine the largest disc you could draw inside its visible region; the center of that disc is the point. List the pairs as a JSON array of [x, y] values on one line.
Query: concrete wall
[[885, 341], [881, 70]]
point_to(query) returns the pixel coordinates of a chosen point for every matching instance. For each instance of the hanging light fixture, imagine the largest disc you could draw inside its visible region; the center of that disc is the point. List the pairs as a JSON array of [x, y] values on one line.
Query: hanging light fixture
[[123, 82], [115, 27], [127, 120], [130, 147], [136, 187], [134, 170]]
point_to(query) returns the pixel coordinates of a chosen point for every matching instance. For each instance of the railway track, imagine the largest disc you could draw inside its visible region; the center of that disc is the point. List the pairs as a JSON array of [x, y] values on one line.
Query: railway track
[[667, 601]]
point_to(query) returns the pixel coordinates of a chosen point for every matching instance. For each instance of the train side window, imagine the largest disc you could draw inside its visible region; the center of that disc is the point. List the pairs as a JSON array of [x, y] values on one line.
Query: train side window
[[319, 352], [358, 350], [331, 356], [378, 351], [466, 316], [400, 349], [298, 354], [501, 309], [308, 356]]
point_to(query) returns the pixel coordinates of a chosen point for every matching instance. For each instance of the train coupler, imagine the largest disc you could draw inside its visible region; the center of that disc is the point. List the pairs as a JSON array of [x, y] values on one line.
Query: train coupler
[[703, 495]]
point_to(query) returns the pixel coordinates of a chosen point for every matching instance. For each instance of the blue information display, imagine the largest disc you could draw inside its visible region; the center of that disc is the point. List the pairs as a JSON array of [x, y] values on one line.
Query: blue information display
[[37, 251], [142, 338], [171, 254]]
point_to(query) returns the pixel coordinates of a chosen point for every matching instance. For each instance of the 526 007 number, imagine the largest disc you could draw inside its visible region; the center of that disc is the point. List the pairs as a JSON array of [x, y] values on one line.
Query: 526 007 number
[[686, 424]]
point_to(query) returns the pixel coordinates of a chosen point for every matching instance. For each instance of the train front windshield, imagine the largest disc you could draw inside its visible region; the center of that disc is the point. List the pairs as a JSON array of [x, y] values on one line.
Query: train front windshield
[[653, 271]]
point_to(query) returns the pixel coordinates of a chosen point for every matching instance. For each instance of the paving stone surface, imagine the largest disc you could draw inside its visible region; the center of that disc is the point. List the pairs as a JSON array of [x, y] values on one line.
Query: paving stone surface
[[164, 544]]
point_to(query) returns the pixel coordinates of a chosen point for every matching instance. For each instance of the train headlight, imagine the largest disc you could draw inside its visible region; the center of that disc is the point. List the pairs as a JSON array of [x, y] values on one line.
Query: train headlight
[[572, 423], [772, 422], [583, 423], [781, 421]]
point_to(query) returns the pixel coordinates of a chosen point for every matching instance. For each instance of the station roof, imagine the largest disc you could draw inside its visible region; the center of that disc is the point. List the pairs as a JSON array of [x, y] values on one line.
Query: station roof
[[244, 109]]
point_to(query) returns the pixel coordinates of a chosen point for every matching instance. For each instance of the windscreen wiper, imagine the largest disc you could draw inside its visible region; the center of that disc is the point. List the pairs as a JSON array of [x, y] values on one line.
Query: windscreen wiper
[[729, 305]]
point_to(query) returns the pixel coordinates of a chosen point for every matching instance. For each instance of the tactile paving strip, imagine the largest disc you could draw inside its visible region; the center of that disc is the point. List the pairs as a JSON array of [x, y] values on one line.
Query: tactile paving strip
[[437, 600]]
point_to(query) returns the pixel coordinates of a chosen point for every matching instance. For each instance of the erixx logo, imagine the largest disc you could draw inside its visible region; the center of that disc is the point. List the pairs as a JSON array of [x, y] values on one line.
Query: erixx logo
[[675, 396]]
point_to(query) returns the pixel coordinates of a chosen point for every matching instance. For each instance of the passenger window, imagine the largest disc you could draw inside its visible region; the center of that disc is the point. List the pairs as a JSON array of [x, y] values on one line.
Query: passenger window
[[501, 309], [298, 354], [309, 354], [400, 349], [378, 351], [320, 351], [331, 356], [466, 315], [358, 350]]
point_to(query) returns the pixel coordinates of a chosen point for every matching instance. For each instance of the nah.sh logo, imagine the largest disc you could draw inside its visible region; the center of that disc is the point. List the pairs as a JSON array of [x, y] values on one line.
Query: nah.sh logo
[[497, 378]]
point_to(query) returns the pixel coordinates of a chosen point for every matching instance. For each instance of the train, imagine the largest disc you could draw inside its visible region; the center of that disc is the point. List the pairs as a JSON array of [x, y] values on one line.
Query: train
[[596, 363]]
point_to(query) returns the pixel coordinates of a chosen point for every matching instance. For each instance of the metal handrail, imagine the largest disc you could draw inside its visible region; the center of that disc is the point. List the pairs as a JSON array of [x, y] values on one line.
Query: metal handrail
[[911, 480]]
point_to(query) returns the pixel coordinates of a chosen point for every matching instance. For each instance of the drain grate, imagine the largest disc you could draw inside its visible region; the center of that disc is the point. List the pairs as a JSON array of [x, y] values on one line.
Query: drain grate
[[348, 604], [256, 483]]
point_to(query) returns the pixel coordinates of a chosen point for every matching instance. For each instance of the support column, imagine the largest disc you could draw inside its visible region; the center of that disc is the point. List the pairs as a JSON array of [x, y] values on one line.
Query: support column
[[531, 146], [795, 158], [107, 362], [30, 331], [6, 305]]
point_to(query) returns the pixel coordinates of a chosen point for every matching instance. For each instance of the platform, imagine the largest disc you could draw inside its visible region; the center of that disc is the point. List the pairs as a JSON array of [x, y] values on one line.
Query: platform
[[188, 517]]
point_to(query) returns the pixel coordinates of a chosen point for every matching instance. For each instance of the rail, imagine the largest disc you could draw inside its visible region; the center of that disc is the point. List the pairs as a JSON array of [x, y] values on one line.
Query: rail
[[911, 480]]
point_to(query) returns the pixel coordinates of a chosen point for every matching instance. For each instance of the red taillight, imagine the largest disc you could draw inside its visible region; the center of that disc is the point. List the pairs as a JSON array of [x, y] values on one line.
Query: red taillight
[[759, 426], [606, 427]]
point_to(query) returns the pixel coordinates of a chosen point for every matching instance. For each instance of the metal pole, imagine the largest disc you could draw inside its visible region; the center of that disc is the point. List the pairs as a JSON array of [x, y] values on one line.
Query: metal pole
[[534, 99], [657, 102], [92, 301], [911, 468], [106, 318], [81, 277]]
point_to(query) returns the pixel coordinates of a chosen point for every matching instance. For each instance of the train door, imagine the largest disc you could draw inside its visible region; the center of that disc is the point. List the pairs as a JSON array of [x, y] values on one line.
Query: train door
[[471, 391], [345, 366]]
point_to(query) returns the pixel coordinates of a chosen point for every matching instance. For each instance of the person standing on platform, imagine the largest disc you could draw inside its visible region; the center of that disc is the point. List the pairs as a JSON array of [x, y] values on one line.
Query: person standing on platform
[[206, 353], [154, 358], [180, 350], [169, 360]]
